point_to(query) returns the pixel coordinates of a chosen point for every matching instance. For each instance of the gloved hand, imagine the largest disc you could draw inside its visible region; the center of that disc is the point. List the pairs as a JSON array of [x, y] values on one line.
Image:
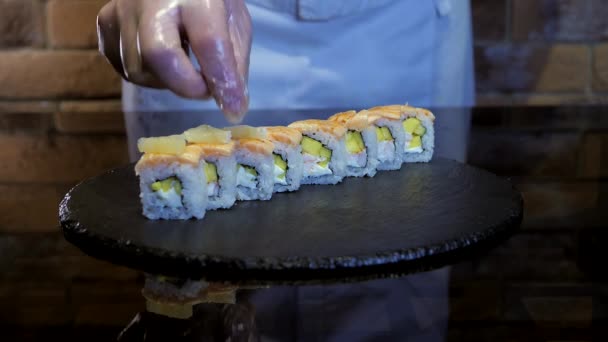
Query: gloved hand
[[146, 42]]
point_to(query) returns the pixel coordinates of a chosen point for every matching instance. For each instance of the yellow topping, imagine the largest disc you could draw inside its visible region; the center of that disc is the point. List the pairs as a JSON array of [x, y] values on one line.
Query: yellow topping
[[354, 142], [416, 142], [211, 172], [208, 135], [173, 144], [167, 184], [242, 132], [278, 161]]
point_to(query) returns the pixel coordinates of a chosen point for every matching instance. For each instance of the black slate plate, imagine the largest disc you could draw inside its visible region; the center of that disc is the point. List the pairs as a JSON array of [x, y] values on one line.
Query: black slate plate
[[421, 217]]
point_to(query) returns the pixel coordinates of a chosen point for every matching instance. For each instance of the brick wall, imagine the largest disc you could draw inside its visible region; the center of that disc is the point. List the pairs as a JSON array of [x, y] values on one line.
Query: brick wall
[[517, 292], [529, 52], [49, 63], [535, 52]]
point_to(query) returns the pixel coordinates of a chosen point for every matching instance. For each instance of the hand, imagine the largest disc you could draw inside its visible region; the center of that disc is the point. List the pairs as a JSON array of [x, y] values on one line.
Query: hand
[[146, 42]]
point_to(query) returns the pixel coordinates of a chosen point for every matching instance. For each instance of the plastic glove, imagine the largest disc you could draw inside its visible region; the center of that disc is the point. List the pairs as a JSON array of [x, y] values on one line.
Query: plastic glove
[[146, 42]]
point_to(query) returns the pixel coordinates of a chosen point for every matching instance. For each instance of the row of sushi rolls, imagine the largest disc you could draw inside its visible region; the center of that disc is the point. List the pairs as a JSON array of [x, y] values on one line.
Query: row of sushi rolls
[[206, 168]]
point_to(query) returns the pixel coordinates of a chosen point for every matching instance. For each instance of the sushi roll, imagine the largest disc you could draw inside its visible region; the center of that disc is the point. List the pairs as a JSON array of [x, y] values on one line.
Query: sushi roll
[[323, 151], [390, 137], [217, 150], [361, 144], [287, 158], [419, 142], [171, 178], [220, 171], [255, 163]]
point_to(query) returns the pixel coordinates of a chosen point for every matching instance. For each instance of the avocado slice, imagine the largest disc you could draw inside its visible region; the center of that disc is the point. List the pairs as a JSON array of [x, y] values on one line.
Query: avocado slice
[[416, 142], [167, 184], [354, 142], [388, 136], [211, 172], [311, 146], [316, 148], [278, 161], [414, 126], [410, 125], [155, 186], [361, 143], [249, 170], [420, 130], [384, 134], [325, 152], [379, 135]]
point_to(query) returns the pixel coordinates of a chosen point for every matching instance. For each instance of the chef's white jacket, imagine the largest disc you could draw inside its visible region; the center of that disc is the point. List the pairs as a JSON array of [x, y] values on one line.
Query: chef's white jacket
[[347, 53], [353, 54]]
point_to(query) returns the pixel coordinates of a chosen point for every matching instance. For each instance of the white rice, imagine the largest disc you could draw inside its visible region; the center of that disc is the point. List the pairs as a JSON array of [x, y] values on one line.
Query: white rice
[[293, 155], [164, 206], [428, 143], [226, 176], [356, 161], [371, 155], [386, 151], [337, 164], [264, 166], [398, 133]]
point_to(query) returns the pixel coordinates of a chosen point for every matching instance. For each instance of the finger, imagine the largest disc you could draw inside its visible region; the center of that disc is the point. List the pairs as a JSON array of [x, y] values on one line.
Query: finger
[[129, 42], [213, 48], [108, 36], [163, 54], [128, 17], [239, 27]]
